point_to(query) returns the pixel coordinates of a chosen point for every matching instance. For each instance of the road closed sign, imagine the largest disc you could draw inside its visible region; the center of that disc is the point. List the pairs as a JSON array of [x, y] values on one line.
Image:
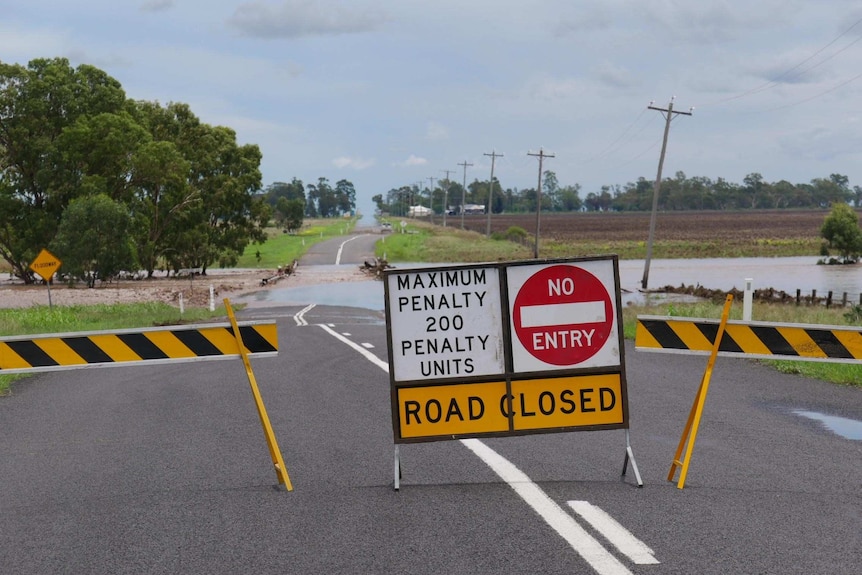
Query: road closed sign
[[505, 349], [563, 315]]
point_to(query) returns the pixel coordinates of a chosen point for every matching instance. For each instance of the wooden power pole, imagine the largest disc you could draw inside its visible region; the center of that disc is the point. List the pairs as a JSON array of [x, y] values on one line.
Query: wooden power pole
[[669, 115], [446, 196], [494, 155], [541, 155], [464, 191]]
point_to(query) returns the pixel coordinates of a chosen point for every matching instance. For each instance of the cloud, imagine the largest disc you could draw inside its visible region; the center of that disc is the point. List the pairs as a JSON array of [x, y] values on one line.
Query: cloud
[[157, 5], [437, 131], [615, 76], [353, 163], [298, 18], [555, 89], [413, 160]]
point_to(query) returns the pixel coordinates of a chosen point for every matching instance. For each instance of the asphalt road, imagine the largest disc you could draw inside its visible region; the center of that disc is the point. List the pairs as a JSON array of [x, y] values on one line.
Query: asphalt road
[[164, 469]]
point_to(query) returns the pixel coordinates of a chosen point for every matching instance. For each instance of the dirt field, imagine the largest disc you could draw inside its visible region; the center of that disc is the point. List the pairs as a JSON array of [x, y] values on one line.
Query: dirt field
[[686, 226]]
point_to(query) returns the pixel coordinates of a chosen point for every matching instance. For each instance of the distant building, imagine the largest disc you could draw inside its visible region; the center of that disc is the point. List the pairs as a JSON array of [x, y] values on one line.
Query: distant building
[[419, 212], [474, 209]]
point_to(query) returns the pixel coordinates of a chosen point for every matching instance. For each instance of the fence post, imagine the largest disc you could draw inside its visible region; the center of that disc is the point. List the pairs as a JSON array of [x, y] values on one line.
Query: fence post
[[747, 300]]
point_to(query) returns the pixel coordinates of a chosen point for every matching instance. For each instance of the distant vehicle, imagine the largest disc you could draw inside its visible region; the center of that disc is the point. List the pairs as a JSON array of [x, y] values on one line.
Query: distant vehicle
[[387, 227]]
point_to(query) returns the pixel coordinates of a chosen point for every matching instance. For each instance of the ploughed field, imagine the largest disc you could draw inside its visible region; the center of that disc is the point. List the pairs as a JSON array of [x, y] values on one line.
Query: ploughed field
[[688, 226]]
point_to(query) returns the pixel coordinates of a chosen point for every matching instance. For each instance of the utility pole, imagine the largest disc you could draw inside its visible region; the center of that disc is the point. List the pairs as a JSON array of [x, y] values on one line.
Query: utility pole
[[669, 115], [541, 155], [494, 155], [464, 191], [446, 196]]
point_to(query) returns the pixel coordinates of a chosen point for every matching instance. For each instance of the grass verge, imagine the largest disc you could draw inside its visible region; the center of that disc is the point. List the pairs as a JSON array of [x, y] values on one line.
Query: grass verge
[[423, 242], [280, 249]]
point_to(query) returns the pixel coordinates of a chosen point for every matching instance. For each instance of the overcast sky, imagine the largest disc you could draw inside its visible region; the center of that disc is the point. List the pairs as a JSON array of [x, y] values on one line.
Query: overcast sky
[[392, 92]]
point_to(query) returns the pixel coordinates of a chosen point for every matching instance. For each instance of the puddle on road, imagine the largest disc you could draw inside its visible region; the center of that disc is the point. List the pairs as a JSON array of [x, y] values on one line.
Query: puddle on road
[[843, 426]]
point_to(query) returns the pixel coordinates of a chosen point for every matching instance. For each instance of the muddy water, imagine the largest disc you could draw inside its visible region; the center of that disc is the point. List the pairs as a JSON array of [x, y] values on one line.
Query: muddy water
[[787, 274]]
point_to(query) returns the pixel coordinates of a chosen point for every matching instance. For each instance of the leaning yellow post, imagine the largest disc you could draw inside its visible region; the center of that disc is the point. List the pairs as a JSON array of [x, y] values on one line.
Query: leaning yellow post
[[274, 452], [690, 431]]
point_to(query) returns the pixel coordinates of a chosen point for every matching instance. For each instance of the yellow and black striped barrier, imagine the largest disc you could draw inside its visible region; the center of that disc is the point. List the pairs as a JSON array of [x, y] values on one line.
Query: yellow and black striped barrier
[[750, 339], [24, 354]]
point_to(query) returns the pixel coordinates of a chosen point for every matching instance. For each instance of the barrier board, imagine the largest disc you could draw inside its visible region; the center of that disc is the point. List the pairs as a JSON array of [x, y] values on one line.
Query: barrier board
[[46, 352], [750, 339]]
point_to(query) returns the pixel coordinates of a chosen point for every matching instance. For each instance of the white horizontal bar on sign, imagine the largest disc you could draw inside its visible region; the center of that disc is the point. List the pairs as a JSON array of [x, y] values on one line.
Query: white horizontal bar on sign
[[563, 313]]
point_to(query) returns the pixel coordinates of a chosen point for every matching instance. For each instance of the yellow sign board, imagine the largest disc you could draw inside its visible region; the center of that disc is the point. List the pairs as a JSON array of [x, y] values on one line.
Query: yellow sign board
[[46, 265], [460, 409], [563, 403], [566, 402]]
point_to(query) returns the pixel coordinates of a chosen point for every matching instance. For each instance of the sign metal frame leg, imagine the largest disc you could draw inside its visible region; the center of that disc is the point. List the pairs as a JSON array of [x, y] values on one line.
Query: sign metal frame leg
[[397, 470], [630, 457], [689, 434]]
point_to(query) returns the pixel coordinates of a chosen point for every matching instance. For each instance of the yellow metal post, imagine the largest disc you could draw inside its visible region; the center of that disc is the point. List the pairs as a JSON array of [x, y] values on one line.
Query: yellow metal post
[[274, 452], [691, 426]]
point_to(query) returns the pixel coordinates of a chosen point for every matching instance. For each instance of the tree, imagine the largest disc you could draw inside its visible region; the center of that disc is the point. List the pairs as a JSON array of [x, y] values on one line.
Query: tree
[[841, 231], [37, 104], [295, 190], [345, 197], [94, 240], [290, 213]]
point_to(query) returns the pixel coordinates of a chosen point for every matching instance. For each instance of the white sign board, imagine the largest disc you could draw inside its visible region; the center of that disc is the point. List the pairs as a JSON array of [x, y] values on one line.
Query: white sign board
[[445, 323], [563, 316]]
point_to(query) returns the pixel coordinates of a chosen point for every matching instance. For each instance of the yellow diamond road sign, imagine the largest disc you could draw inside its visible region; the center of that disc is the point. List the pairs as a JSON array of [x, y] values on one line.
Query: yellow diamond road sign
[[45, 265]]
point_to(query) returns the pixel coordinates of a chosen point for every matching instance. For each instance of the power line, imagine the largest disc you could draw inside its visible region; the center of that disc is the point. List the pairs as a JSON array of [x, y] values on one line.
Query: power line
[[774, 82]]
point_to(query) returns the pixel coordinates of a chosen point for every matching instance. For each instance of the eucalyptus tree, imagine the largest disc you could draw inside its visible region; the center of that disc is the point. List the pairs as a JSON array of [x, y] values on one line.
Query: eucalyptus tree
[[38, 103]]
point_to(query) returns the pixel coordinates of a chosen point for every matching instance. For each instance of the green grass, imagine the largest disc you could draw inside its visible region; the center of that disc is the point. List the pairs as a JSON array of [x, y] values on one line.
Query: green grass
[[78, 318], [676, 249], [423, 242], [840, 373], [280, 249]]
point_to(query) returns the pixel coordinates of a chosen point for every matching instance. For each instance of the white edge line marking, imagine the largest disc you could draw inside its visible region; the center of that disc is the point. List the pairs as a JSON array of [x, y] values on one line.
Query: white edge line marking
[[564, 524], [364, 352], [341, 248], [616, 534], [298, 318], [581, 541]]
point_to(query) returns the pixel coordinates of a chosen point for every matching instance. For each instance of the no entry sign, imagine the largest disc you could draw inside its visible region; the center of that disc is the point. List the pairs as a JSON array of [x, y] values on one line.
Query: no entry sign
[[563, 315]]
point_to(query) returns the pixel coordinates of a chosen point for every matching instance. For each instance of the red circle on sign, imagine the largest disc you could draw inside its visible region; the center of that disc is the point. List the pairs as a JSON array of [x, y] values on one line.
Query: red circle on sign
[[563, 315]]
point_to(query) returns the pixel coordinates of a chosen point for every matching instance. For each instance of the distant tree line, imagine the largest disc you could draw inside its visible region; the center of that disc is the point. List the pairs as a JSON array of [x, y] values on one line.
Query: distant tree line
[[108, 183], [676, 193], [293, 201]]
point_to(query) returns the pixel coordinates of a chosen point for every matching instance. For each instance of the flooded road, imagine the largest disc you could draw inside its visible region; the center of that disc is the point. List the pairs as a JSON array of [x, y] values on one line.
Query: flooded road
[[787, 274]]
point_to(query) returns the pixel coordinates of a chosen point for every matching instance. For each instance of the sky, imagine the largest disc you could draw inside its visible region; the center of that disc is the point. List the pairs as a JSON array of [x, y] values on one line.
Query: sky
[[386, 93]]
